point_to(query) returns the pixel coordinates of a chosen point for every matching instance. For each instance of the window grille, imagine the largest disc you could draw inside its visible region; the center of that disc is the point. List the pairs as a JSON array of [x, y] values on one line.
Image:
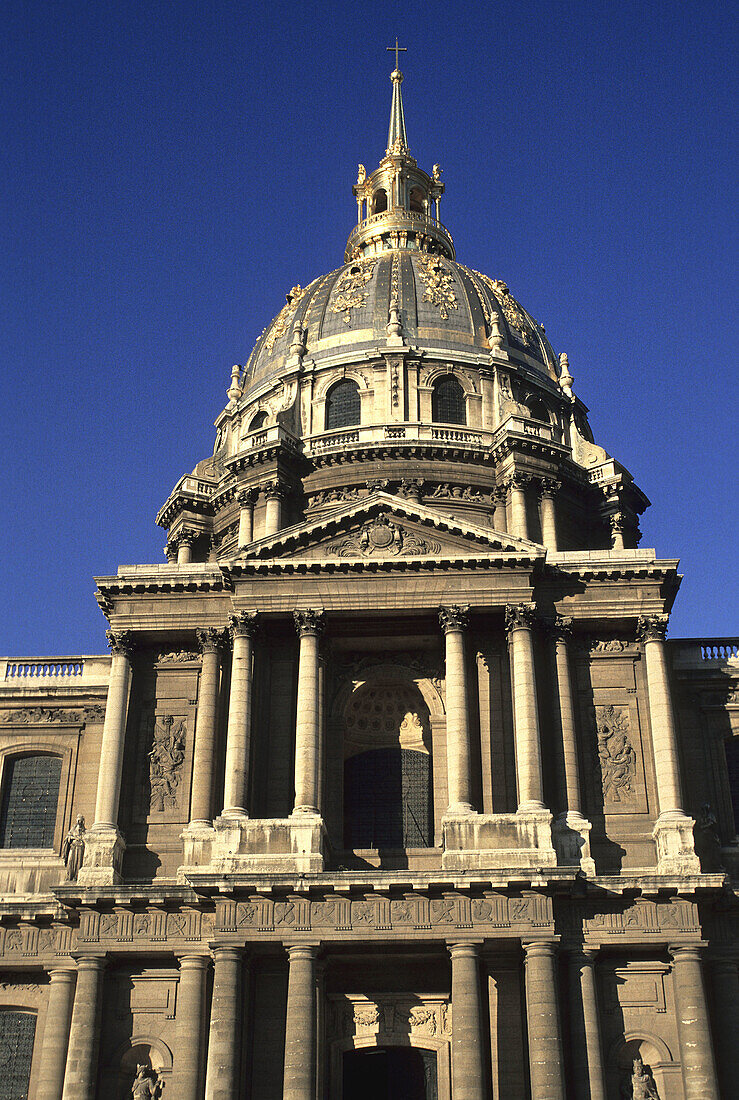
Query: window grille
[[387, 796], [447, 402], [342, 405], [30, 799], [17, 1030]]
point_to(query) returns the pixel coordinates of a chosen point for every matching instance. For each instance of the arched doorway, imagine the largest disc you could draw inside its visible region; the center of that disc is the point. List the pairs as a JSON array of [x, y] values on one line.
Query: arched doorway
[[389, 1073], [388, 800]]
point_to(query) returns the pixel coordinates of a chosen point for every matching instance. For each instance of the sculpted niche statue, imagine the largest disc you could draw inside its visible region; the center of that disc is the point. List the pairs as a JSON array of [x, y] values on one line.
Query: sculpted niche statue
[[146, 1084], [642, 1082], [73, 849]]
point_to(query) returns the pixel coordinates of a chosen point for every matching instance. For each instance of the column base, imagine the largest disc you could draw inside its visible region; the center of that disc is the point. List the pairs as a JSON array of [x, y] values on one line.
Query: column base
[[497, 841], [673, 838], [278, 845], [103, 865], [571, 837]]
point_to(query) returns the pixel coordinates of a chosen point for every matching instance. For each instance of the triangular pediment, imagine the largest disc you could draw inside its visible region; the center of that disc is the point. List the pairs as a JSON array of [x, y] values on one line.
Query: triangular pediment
[[382, 527]]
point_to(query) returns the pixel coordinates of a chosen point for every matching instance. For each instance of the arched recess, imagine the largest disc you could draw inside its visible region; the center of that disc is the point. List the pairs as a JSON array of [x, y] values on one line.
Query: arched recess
[[388, 778], [259, 420], [144, 1050], [654, 1053], [416, 200], [393, 1041], [379, 201]]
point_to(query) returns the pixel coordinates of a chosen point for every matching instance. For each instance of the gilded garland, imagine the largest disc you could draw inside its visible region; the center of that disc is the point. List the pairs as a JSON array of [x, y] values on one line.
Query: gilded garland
[[351, 288], [439, 285]]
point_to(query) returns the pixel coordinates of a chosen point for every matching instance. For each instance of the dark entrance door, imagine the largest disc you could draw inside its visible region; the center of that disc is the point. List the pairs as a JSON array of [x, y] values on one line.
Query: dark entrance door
[[389, 1073]]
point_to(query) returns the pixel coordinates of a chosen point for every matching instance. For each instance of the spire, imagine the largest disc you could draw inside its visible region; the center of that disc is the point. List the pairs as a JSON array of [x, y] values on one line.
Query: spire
[[397, 141]]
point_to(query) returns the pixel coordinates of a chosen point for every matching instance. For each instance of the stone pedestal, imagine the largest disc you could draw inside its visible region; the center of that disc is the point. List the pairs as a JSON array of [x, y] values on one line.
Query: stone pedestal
[[693, 1028], [273, 845], [80, 1078], [103, 866], [55, 1041], [225, 1041], [546, 1069], [299, 1081], [468, 1071], [498, 841]]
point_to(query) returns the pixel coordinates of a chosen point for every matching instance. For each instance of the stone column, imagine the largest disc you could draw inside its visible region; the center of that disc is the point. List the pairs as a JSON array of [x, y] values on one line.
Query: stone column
[[519, 521], [585, 1027], [617, 531], [309, 625], [225, 1039], [693, 1027], [571, 830], [500, 522], [519, 622], [211, 643], [488, 398], [185, 541], [548, 513], [274, 494], [673, 833], [53, 1054], [189, 1064], [243, 626], [246, 500], [468, 1072], [458, 750], [80, 1078], [725, 981], [299, 1081], [104, 844], [545, 1040]]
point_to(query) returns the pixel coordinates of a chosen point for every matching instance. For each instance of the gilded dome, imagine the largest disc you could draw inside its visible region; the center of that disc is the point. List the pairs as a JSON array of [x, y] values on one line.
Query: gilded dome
[[442, 306]]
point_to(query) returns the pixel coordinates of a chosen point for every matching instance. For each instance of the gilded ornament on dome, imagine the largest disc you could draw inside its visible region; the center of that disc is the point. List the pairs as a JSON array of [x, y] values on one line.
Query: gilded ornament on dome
[[512, 311], [351, 288], [439, 285], [283, 319]]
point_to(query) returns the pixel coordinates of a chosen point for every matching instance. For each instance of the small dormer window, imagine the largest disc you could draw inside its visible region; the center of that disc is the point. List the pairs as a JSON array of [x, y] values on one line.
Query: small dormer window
[[258, 422]]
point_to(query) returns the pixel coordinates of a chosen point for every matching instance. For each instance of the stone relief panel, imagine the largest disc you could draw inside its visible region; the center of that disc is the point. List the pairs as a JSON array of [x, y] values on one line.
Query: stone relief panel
[[616, 754]]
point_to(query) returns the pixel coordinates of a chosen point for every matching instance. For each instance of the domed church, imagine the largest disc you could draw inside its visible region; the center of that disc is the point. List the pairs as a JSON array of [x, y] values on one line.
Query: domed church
[[391, 785]]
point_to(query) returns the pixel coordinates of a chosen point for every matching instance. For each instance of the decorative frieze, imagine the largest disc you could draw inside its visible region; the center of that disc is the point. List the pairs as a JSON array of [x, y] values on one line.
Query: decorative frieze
[[41, 716]]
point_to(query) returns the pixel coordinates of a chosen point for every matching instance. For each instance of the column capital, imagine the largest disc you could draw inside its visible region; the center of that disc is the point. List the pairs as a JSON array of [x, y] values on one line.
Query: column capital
[[61, 972], [540, 948], [464, 950], [211, 638], [559, 628], [301, 951], [91, 962], [243, 624], [309, 621], [519, 481], [548, 486], [225, 951], [687, 951], [582, 954], [170, 551], [247, 497], [121, 643], [194, 961], [519, 616], [651, 628], [275, 490], [455, 617], [500, 495]]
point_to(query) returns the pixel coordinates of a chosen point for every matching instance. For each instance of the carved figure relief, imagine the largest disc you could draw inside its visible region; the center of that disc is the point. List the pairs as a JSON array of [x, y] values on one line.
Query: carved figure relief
[[166, 758], [383, 537], [39, 715], [439, 285], [616, 754], [351, 288], [178, 657]]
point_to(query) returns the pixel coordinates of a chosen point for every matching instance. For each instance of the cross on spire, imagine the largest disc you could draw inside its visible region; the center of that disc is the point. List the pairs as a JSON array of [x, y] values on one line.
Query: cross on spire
[[396, 49]]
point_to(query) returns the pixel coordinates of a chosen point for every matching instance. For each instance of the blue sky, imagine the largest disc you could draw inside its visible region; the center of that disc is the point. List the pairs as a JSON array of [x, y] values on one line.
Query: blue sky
[[170, 169]]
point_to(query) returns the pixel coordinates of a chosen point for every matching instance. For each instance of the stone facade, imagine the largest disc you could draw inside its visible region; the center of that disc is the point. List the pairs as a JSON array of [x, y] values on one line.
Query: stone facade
[[391, 783]]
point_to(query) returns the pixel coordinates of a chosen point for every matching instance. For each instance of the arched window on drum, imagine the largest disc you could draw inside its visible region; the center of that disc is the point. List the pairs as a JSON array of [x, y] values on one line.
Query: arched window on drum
[[388, 790], [342, 405], [448, 401]]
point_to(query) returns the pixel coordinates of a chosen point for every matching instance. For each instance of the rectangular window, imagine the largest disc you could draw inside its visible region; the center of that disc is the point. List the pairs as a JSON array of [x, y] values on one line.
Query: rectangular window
[[30, 800]]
